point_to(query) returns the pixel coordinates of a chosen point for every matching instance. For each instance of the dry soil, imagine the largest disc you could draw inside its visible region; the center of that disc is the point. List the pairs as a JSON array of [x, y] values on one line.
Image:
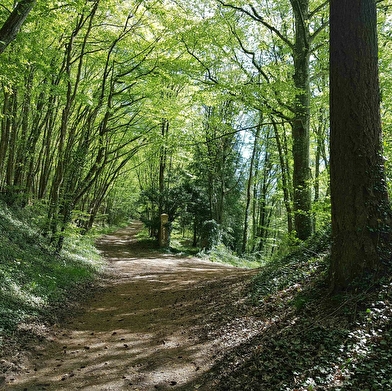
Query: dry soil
[[154, 324]]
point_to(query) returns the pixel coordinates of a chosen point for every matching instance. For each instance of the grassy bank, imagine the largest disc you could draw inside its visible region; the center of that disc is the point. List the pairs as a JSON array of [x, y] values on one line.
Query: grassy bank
[[35, 282]]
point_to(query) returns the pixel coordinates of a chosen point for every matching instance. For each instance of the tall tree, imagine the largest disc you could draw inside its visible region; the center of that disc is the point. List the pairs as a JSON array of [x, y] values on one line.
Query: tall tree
[[301, 122], [249, 186], [71, 96], [361, 214], [298, 43]]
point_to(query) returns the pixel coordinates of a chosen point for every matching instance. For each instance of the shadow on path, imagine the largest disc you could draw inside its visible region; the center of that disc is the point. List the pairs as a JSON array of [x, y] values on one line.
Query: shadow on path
[[139, 331]]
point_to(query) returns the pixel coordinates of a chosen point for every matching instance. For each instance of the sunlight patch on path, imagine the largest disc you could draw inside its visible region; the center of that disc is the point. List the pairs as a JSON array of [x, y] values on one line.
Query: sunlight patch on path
[[139, 331]]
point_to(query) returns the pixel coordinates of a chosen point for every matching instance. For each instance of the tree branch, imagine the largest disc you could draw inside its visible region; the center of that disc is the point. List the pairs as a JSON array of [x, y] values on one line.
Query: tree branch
[[250, 53], [209, 74], [270, 27], [257, 17], [317, 9], [319, 30]]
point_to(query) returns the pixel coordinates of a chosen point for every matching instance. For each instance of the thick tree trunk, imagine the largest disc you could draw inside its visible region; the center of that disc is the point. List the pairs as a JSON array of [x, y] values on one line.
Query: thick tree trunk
[[361, 214]]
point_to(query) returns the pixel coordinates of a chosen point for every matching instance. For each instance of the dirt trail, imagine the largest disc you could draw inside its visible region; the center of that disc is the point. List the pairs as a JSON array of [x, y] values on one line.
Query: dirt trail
[[142, 330]]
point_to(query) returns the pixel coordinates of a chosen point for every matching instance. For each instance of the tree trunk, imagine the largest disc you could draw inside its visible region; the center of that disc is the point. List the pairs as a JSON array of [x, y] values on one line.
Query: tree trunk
[[249, 188], [361, 213], [23, 149], [5, 132], [162, 170], [301, 122], [285, 172], [263, 212], [12, 142], [162, 163], [14, 22]]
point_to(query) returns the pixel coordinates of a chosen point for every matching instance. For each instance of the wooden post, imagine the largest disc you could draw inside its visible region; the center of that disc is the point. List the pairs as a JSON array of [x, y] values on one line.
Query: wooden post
[[164, 231]]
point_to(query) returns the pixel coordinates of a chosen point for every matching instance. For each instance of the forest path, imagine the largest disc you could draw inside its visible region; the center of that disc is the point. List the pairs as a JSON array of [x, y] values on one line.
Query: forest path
[[147, 328]]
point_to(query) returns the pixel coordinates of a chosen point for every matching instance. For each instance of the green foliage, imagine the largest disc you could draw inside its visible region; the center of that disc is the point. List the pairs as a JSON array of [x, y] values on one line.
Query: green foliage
[[322, 213], [211, 72], [304, 262], [32, 277], [210, 234], [221, 254], [120, 204], [90, 119], [174, 201]]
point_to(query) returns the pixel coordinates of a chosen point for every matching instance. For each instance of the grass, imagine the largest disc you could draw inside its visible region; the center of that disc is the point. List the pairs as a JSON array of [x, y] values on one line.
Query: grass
[[33, 279], [221, 254]]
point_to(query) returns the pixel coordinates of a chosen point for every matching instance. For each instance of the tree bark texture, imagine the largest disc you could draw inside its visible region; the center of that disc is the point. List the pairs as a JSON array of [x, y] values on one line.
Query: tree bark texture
[[360, 206], [14, 22], [301, 122]]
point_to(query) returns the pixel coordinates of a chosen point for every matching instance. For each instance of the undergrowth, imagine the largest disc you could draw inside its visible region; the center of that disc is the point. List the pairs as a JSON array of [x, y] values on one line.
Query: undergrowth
[[309, 259], [310, 339], [221, 254], [33, 279]]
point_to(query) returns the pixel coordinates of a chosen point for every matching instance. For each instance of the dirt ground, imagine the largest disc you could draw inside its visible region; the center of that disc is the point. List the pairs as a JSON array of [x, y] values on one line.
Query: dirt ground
[[160, 321]]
